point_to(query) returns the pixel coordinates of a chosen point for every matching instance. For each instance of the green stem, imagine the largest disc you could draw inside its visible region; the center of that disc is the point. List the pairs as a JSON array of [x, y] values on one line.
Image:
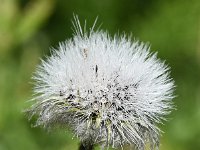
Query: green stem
[[86, 146]]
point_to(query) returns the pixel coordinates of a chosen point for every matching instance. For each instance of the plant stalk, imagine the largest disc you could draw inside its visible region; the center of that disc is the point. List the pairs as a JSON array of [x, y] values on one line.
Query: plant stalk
[[86, 146]]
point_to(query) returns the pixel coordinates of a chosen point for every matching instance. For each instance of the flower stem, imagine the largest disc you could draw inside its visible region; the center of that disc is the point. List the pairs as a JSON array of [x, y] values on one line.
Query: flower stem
[[86, 146]]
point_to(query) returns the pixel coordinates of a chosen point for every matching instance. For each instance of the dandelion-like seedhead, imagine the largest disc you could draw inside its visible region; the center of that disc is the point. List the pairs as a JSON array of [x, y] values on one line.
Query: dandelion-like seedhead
[[109, 91]]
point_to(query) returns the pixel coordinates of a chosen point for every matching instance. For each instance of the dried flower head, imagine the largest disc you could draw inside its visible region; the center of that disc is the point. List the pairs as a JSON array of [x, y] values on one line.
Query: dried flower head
[[110, 91]]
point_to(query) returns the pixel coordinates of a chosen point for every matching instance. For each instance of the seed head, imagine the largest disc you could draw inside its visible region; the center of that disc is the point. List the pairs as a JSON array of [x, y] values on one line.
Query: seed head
[[109, 91]]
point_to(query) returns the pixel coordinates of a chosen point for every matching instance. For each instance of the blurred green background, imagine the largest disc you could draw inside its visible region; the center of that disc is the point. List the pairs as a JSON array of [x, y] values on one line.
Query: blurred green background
[[29, 27]]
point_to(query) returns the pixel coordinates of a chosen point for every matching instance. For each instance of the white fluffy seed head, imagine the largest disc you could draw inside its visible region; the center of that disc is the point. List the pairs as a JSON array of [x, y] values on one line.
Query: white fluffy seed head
[[110, 91]]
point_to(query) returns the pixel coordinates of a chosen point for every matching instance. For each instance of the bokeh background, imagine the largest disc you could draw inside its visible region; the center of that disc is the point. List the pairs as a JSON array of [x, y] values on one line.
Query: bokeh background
[[28, 28]]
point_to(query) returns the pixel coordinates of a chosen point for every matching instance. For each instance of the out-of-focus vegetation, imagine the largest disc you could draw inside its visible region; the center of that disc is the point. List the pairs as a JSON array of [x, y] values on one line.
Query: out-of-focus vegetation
[[29, 27]]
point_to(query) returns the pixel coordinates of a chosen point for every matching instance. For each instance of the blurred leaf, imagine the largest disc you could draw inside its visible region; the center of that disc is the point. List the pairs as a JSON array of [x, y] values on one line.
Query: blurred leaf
[[34, 15]]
